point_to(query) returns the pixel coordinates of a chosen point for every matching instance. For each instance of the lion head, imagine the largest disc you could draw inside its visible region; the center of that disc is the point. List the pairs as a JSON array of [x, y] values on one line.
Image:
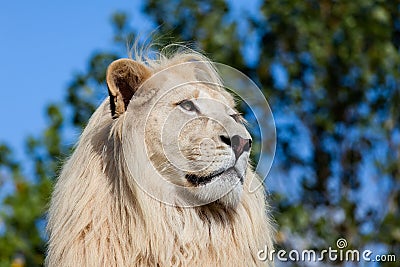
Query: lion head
[[193, 136]]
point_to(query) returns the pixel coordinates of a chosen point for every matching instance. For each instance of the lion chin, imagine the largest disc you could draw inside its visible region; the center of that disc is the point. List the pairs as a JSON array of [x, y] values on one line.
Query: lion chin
[[222, 187]]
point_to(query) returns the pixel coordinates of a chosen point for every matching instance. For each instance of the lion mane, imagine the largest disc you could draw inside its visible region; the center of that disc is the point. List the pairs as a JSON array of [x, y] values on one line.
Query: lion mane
[[99, 216]]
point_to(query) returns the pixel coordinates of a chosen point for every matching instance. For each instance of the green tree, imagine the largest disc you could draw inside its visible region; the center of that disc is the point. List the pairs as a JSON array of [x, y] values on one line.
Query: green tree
[[330, 70], [340, 93]]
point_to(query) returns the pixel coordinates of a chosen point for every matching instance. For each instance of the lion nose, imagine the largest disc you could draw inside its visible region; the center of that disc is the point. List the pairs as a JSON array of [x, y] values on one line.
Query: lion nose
[[238, 144]]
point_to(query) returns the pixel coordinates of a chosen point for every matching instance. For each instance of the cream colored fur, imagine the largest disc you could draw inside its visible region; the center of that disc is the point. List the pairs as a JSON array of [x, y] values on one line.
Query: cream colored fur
[[100, 217]]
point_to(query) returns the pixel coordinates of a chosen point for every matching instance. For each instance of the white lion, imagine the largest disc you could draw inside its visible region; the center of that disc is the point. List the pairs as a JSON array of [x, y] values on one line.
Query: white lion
[[160, 176]]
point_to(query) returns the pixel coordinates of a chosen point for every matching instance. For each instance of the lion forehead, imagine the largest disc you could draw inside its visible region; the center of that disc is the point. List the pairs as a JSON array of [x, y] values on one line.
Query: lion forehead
[[184, 83]]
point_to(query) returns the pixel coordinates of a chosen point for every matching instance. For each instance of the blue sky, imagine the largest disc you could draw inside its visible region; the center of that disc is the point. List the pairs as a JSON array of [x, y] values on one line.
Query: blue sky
[[43, 43]]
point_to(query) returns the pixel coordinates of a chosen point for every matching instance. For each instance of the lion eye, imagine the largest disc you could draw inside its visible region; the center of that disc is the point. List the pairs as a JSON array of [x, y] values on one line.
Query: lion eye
[[237, 118], [188, 105]]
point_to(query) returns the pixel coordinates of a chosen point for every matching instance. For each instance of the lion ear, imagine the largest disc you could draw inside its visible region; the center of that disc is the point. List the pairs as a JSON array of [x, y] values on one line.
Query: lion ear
[[124, 77]]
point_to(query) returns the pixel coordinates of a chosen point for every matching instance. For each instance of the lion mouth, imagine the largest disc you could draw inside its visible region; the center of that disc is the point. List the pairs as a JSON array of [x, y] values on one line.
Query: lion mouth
[[197, 180]]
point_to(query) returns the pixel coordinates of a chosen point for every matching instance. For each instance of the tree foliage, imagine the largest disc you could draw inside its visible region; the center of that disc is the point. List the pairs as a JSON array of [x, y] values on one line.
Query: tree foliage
[[330, 70]]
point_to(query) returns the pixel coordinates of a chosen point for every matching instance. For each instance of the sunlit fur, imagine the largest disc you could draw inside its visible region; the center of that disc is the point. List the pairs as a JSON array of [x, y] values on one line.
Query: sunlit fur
[[99, 217]]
